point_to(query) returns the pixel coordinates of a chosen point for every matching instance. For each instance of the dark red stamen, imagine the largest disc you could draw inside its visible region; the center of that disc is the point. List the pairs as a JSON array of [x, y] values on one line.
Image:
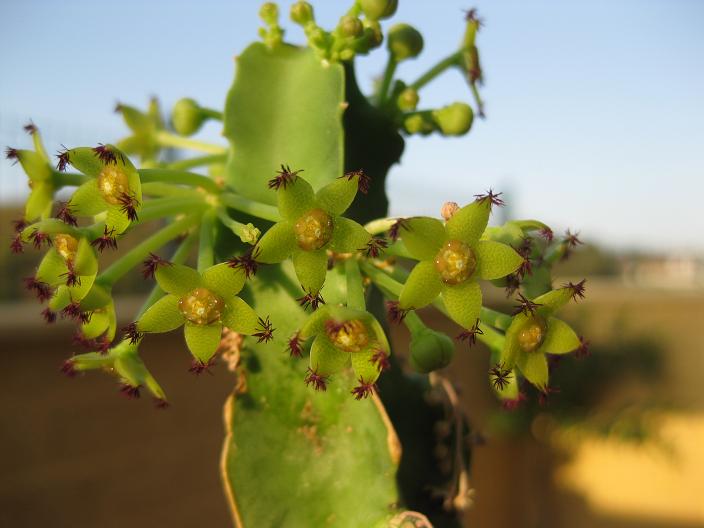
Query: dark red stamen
[[72, 278], [513, 282], [374, 247], [311, 300], [246, 262], [68, 368], [492, 198], [12, 154], [132, 333], [577, 289], [63, 161], [49, 316], [41, 289], [73, 311], [266, 332], [295, 346], [380, 359], [513, 404], [471, 335], [30, 128], [320, 383], [17, 246], [131, 392], [106, 240], [38, 238], [363, 182], [544, 397], [198, 367], [65, 214], [547, 234], [582, 350], [283, 178], [395, 230], [500, 377], [525, 306], [105, 154], [395, 313], [570, 242], [19, 225], [363, 390], [129, 205], [151, 264], [161, 404]]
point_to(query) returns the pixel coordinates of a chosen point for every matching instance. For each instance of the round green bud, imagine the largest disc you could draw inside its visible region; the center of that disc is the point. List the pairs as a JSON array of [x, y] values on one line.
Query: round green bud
[[373, 34], [351, 26], [419, 124], [269, 13], [187, 117], [408, 100], [430, 350], [404, 42], [455, 119], [378, 9], [302, 13]]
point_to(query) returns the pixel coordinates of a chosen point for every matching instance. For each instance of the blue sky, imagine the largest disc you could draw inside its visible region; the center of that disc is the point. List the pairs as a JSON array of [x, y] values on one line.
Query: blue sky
[[595, 109]]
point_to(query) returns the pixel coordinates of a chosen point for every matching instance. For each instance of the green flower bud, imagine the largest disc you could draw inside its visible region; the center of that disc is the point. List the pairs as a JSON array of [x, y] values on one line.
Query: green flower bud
[[378, 9], [419, 124], [350, 26], [408, 100], [404, 42], [269, 13], [302, 13], [430, 350], [187, 117], [373, 37], [455, 119]]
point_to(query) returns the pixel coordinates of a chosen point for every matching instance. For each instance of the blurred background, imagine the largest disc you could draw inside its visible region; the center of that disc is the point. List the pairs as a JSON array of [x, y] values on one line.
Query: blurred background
[[594, 113]]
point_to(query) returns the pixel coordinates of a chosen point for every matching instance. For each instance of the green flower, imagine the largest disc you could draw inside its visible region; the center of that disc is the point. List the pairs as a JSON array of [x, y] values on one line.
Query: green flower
[[124, 361], [311, 225], [144, 127], [114, 187], [204, 303], [534, 332], [452, 258], [343, 336], [41, 179]]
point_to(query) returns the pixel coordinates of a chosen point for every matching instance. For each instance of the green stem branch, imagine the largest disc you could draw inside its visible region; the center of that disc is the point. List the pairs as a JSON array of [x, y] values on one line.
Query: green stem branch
[[386, 80], [138, 253], [69, 179], [163, 207], [167, 139], [199, 161], [247, 232], [179, 176], [355, 288], [441, 66], [206, 249], [244, 205]]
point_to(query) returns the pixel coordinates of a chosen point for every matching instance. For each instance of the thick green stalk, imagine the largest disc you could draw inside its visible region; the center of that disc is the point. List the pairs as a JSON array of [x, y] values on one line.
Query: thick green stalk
[[441, 66], [166, 189], [179, 176], [211, 113], [206, 250], [69, 179], [163, 207], [355, 288], [141, 251], [167, 139], [386, 80], [199, 161], [244, 205]]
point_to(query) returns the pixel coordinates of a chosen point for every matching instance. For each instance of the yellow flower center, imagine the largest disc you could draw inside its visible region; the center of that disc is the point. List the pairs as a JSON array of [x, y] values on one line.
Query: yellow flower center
[[533, 333], [313, 230], [350, 336], [66, 246], [113, 183], [201, 306], [455, 262]]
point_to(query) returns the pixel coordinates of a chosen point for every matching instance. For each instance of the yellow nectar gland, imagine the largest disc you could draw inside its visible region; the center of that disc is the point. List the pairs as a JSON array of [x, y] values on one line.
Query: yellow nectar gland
[[113, 183], [532, 334], [455, 262], [350, 336], [201, 306], [66, 246], [313, 230]]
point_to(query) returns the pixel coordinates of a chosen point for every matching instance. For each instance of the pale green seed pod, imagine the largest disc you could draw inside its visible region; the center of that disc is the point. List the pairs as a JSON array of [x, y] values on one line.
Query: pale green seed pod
[[408, 100], [430, 350], [455, 119], [187, 117], [404, 42], [378, 9], [302, 13]]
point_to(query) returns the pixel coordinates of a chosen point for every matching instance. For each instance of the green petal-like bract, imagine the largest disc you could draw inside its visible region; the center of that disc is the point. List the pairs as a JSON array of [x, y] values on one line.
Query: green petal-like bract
[[177, 278], [363, 366], [276, 245], [534, 367], [295, 199], [422, 236], [463, 302], [87, 200], [162, 316], [348, 236], [240, 317], [422, 286], [495, 260], [553, 300], [311, 268], [325, 359], [202, 340], [338, 195], [223, 280], [560, 338], [468, 224]]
